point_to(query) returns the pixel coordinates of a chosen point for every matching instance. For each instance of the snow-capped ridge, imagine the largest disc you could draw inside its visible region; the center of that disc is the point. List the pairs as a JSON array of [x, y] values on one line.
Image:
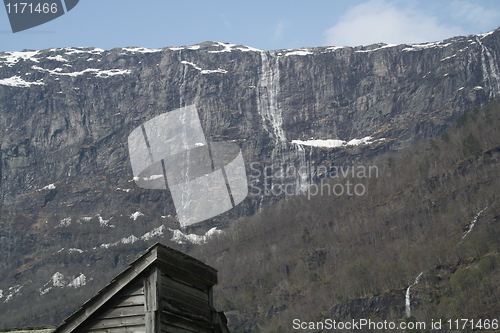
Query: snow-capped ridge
[[301, 52], [228, 47], [103, 73], [76, 50], [422, 46], [136, 49], [383, 46], [12, 58]]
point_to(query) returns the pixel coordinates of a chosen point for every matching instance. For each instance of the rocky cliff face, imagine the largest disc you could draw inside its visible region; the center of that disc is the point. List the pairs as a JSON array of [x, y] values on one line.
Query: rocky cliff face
[[65, 115]]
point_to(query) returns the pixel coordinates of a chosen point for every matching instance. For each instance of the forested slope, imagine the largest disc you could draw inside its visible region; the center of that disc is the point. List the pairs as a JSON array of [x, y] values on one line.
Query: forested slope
[[434, 208]]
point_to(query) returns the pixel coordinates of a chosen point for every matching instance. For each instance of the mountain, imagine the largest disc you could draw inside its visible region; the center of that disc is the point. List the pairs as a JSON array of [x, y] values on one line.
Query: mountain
[[71, 214]]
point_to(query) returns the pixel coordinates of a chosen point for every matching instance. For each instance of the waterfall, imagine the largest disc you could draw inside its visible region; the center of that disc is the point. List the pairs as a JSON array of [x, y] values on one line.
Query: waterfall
[[271, 113], [408, 295], [182, 87], [491, 73], [473, 223], [268, 106], [304, 177]]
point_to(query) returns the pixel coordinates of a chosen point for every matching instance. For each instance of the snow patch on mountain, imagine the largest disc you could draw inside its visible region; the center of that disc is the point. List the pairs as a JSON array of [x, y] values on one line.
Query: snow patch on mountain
[[178, 48], [154, 233], [302, 52], [419, 47], [13, 291], [140, 50], [227, 47], [132, 238], [485, 34], [65, 222], [181, 238], [17, 81], [136, 215], [376, 49], [78, 282], [12, 58], [204, 71], [76, 50], [59, 58], [48, 187], [103, 222], [334, 143], [93, 71], [58, 280], [129, 240]]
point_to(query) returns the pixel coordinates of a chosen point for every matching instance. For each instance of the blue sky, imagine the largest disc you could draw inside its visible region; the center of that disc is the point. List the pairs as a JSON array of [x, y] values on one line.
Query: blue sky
[[262, 24]]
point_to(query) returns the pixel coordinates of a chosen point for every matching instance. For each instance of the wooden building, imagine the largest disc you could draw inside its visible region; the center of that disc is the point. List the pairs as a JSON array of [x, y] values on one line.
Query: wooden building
[[162, 291]]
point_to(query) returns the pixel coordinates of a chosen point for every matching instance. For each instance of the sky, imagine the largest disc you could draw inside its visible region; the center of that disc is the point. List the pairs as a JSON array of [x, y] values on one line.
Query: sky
[[263, 24]]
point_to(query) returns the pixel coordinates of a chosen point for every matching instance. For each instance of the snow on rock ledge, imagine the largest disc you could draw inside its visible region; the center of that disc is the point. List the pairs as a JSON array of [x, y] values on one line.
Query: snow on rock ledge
[[136, 215], [79, 281], [17, 81], [336, 143], [181, 238]]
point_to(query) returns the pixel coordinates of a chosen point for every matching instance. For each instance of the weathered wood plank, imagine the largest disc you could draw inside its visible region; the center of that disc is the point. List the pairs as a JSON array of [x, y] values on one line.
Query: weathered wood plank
[[123, 311], [128, 329], [171, 284], [173, 329], [169, 321], [152, 290], [184, 308], [137, 289], [117, 322], [178, 295], [202, 287], [126, 301]]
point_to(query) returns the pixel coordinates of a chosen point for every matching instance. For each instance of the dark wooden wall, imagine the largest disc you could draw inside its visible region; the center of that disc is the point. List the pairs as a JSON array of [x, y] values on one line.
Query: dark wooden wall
[[185, 307], [124, 313]]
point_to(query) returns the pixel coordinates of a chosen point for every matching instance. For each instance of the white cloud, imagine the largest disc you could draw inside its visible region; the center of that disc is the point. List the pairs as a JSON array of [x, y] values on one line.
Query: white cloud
[[475, 14], [377, 21]]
